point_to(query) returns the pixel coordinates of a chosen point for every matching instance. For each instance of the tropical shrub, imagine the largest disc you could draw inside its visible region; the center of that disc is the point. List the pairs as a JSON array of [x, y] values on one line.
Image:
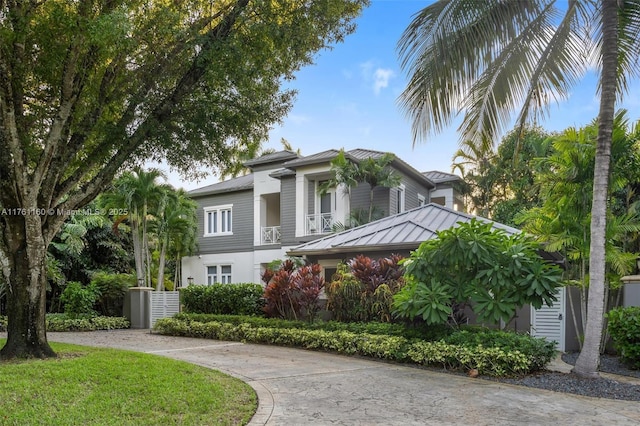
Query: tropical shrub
[[624, 328], [64, 322], [363, 289], [293, 293], [482, 352], [226, 299], [477, 266], [112, 289], [78, 299]]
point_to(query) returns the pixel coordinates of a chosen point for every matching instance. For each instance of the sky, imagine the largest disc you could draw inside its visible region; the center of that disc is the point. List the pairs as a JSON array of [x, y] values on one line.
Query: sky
[[349, 99]]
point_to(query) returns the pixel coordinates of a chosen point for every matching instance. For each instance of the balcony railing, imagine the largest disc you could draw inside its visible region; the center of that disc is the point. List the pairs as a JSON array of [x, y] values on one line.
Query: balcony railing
[[321, 223], [270, 235]]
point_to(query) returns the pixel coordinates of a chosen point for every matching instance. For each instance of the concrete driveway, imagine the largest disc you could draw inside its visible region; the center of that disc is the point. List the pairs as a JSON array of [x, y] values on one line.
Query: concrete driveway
[[298, 387]]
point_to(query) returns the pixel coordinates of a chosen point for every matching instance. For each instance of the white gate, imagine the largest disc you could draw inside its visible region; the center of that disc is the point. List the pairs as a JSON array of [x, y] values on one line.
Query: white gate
[[164, 304], [549, 322]]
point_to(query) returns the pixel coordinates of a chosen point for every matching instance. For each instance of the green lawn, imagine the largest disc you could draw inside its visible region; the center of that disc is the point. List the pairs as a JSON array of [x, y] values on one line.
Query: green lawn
[[111, 387]]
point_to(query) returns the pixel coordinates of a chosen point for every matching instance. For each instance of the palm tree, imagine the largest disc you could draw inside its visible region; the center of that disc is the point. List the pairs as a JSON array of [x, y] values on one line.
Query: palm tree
[[175, 218], [489, 58], [134, 194]]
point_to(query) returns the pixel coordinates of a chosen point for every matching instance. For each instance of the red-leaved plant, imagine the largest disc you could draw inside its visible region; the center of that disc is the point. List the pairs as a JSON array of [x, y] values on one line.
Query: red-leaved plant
[[291, 293]]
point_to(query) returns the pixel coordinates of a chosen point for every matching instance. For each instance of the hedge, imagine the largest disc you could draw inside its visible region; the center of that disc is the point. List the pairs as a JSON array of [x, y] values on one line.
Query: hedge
[[61, 322], [492, 361], [226, 299]]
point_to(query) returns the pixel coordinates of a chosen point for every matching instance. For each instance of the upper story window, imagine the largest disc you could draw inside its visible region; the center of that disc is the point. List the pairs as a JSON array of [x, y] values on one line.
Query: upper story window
[[422, 200], [218, 220], [219, 274], [400, 199]]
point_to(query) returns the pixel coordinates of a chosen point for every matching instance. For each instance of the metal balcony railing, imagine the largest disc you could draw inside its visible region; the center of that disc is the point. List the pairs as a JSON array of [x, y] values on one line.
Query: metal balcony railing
[[270, 235]]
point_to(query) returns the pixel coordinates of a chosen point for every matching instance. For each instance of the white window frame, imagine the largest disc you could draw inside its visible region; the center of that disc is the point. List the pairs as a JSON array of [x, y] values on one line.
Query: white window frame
[[219, 277], [400, 201], [422, 200], [222, 227]]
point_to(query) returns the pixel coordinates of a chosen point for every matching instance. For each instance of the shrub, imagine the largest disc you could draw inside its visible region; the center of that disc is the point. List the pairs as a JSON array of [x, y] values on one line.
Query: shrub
[[292, 293], [363, 289], [475, 265], [112, 289], [478, 350], [624, 328], [78, 299], [63, 322], [226, 299]]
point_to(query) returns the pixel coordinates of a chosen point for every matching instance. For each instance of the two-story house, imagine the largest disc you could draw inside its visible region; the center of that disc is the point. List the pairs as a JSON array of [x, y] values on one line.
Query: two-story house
[[246, 222]]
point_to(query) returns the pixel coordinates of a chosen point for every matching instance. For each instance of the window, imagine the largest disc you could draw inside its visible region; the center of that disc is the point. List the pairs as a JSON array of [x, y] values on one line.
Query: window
[[219, 274], [400, 199], [421, 200], [217, 220]]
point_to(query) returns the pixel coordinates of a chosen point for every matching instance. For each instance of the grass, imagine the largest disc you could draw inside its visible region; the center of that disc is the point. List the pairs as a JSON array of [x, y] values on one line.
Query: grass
[[91, 386]]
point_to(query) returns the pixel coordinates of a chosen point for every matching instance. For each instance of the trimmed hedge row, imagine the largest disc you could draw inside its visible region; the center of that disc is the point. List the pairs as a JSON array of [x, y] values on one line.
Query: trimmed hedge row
[[492, 361], [385, 328], [224, 299], [61, 322]]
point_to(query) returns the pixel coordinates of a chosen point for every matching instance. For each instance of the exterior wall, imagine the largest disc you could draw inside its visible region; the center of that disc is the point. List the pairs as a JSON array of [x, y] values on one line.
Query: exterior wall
[[241, 238], [246, 267], [451, 198], [360, 198], [288, 210], [411, 191]]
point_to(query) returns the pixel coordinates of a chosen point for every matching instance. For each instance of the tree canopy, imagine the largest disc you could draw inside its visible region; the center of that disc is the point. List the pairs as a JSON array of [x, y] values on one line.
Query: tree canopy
[[91, 85]]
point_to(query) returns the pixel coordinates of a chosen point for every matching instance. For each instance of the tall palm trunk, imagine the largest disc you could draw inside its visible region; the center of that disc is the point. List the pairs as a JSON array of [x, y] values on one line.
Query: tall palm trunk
[[137, 250], [587, 362]]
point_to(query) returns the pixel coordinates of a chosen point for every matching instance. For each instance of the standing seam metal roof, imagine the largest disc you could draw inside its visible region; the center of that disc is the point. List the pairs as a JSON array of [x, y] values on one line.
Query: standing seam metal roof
[[408, 229]]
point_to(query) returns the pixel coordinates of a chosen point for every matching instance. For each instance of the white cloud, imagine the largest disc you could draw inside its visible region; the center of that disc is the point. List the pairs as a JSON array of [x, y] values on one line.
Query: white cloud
[[381, 79], [376, 77]]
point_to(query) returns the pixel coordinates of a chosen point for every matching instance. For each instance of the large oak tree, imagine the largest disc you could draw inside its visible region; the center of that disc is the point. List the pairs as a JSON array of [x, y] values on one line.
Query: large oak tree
[[90, 86]]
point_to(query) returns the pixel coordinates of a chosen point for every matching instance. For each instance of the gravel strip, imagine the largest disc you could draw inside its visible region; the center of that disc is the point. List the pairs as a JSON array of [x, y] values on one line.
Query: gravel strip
[[569, 383]]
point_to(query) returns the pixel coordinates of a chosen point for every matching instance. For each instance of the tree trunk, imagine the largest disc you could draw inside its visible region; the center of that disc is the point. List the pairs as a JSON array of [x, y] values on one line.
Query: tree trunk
[[24, 267], [161, 262], [589, 359], [137, 252]]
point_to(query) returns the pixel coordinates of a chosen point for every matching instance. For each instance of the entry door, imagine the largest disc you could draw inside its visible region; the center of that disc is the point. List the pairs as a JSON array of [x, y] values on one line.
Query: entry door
[[549, 322]]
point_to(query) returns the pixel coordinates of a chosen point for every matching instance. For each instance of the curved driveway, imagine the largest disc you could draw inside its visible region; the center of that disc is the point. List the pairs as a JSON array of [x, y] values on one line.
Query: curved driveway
[[298, 387]]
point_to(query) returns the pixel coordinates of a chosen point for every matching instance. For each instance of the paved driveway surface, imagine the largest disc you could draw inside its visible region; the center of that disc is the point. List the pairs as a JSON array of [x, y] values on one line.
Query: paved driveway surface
[[298, 387]]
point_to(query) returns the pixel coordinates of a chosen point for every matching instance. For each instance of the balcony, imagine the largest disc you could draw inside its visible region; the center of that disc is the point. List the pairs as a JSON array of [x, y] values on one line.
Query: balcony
[[270, 235], [321, 223]]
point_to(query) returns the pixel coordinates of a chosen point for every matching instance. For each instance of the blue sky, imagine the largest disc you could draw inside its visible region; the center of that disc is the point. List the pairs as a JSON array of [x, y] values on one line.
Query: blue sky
[[348, 99]]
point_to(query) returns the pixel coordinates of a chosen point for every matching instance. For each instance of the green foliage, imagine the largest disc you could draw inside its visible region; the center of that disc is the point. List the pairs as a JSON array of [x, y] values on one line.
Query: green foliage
[[78, 299], [363, 289], [65, 322], [473, 264], [112, 289], [293, 293], [519, 354], [227, 299], [624, 327], [3, 323]]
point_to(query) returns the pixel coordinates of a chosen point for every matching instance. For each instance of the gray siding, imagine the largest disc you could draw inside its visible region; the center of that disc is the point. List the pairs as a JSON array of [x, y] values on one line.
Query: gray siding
[[411, 191], [242, 223], [311, 201], [288, 210], [360, 198]]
